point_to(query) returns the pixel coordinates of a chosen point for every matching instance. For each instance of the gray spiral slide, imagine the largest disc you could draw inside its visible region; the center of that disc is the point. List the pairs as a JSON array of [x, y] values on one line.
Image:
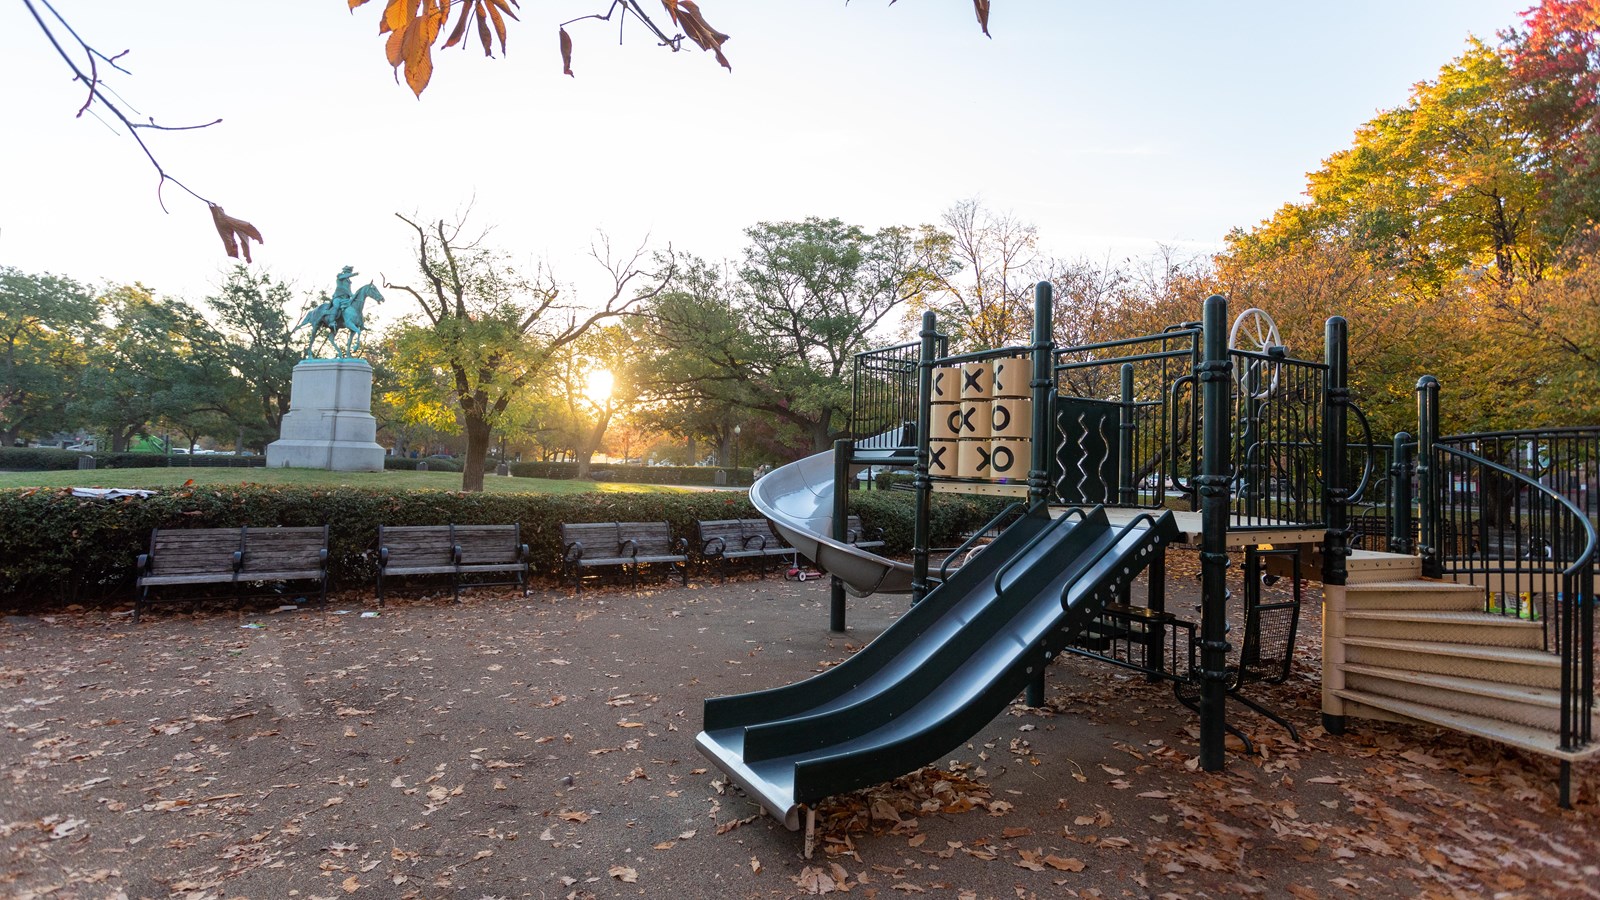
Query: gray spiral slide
[[798, 499]]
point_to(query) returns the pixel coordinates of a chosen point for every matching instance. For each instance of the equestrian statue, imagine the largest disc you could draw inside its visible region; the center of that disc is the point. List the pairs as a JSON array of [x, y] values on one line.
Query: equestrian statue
[[341, 311]]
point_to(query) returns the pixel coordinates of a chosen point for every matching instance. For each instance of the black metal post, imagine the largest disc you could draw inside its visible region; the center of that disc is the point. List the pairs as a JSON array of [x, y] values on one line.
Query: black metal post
[[1042, 382], [1428, 489], [1335, 435], [921, 525], [1401, 525], [1155, 647], [842, 450], [1216, 384], [1127, 481]]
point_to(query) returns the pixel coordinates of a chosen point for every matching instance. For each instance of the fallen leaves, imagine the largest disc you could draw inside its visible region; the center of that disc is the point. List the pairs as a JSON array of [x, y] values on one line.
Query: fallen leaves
[[623, 873]]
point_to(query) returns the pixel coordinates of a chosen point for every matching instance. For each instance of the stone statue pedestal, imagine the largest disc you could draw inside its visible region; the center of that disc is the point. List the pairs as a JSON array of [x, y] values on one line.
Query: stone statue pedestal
[[329, 424]]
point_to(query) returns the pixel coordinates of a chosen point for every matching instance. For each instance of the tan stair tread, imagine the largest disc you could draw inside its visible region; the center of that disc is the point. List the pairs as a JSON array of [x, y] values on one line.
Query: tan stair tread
[[1536, 740], [1379, 557], [1548, 698], [1515, 655], [1416, 584], [1442, 617]]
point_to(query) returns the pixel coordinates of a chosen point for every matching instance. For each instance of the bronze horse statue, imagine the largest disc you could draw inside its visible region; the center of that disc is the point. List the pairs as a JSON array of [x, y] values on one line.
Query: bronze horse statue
[[338, 314]]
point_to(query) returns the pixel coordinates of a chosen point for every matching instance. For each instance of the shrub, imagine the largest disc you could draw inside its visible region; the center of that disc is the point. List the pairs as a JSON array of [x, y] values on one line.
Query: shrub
[[47, 459], [950, 516], [57, 548], [702, 475], [37, 459], [435, 464]]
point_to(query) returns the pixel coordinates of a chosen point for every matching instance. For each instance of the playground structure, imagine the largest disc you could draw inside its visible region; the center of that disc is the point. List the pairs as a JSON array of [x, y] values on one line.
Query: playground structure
[[1206, 435]]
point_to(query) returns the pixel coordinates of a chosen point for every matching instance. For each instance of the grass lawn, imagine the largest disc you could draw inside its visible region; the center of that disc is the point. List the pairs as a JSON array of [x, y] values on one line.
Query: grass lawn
[[434, 481]]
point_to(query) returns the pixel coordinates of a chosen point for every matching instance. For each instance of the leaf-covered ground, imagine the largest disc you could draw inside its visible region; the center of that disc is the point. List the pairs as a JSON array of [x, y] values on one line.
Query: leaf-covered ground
[[544, 748]]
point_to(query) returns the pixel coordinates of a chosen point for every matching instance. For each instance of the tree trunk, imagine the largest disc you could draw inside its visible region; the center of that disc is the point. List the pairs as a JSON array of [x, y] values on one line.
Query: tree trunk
[[478, 432], [821, 434], [592, 443]]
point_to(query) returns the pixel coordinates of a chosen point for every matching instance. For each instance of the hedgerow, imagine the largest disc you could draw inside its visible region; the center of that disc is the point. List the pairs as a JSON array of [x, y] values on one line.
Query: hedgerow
[[703, 475], [49, 459], [56, 548]]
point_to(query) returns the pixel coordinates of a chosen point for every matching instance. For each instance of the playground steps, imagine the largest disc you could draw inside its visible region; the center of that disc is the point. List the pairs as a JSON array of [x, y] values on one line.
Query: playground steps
[[1537, 740], [1423, 651], [1507, 665], [1368, 566], [1445, 625], [1417, 594]]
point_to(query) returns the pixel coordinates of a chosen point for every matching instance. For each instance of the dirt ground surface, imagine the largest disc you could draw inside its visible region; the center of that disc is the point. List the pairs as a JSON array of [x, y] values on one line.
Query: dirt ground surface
[[544, 748]]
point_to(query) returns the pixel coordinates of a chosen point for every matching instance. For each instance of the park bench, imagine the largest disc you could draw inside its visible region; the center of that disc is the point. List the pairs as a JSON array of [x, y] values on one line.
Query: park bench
[[725, 540], [651, 543], [233, 556], [591, 545], [861, 536], [454, 550]]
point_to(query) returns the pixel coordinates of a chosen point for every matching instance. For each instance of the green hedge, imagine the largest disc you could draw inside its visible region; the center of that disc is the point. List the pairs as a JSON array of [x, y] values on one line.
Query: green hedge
[[951, 516], [47, 459], [703, 475], [407, 464], [56, 548]]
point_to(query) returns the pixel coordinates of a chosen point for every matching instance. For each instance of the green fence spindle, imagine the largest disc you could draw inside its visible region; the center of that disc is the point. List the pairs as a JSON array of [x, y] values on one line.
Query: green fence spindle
[[1401, 525], [920, 527]]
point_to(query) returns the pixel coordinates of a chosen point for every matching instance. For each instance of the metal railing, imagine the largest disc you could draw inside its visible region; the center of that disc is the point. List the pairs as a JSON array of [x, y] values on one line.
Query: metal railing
[[1127, 420], [1518, 536]]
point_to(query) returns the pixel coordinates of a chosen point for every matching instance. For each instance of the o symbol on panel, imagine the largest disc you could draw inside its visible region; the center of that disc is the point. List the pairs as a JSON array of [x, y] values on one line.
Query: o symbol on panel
[[1002, 417], [960, 421], [1003, 459]]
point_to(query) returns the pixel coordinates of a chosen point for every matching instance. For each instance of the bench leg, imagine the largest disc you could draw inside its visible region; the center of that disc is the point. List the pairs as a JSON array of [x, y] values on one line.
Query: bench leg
[[380, 589], [322, 593], [139, 601], [685, 572], [455, 587]]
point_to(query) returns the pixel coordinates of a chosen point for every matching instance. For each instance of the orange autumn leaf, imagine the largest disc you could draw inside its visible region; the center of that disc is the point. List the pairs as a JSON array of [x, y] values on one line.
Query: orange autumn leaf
[[235, 233]]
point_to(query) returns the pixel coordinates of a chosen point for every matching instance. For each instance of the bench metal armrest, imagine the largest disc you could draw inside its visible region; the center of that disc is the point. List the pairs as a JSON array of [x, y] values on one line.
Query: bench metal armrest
[[322, 558], [628, 548], [143, 564], [574, 552], [383, 557], [681, 545], [455, 554], [238, 560], [721, 547], [756, 537], [522, 552]]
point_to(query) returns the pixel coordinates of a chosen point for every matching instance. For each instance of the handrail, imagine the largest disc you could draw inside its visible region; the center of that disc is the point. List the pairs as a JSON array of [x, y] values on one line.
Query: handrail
[[1106, 550], [1366, 466], [1588, 554], [981, 355], [1172, 434], [1558, 431], [944, 570], [1076, 511], [1164, 336]]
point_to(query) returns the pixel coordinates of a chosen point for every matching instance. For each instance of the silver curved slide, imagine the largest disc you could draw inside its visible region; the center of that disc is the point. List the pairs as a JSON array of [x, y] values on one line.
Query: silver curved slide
[[798, 498]]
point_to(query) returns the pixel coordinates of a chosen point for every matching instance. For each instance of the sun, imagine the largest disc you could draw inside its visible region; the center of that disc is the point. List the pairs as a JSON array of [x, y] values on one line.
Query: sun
[[597, 386]]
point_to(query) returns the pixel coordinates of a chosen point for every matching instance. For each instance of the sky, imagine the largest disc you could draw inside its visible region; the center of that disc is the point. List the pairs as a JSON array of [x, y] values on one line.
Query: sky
[[1114, 128]]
